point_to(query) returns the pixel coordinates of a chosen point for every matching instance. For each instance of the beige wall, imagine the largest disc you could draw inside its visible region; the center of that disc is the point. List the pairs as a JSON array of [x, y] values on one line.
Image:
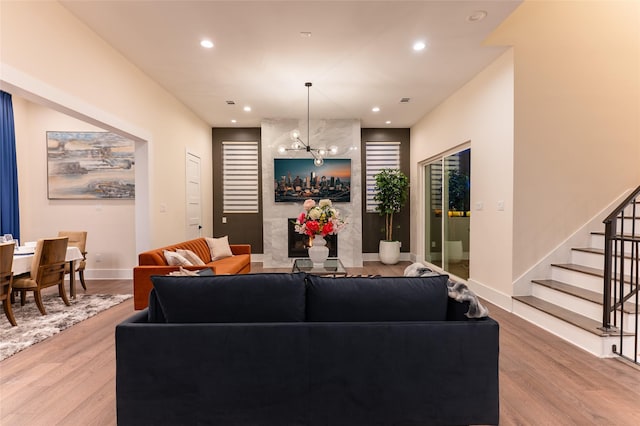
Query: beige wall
[[109, 223], [481, 113], [577, 104], [554, 126], [48, 56]]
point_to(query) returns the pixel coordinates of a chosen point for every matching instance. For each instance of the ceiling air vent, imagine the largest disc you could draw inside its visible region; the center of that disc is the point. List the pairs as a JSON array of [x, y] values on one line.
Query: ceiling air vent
[[230, 102], [405, 100]]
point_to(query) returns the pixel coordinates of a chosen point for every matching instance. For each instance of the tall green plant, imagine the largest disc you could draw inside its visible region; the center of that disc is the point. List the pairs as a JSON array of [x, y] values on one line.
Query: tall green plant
[[391, 193]]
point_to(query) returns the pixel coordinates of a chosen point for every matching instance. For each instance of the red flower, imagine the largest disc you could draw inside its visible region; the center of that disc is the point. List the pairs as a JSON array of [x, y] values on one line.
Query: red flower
[[312, 227], [327, 228]]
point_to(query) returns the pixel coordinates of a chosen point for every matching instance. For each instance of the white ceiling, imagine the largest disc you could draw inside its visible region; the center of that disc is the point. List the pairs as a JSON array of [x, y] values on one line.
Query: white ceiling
[[359, 54]]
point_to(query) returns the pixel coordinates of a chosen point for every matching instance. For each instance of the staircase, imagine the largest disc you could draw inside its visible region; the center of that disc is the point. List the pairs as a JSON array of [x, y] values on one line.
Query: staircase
[[570, 303]]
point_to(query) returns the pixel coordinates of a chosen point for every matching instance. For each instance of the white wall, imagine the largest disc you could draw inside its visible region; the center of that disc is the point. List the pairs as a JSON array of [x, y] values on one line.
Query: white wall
[[554, 131], [48, 56], [577, 105], [481, 113], [109, 223]]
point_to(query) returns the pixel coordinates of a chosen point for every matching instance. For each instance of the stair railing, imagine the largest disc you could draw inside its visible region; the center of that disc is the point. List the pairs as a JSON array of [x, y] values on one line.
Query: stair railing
[[621, 245]]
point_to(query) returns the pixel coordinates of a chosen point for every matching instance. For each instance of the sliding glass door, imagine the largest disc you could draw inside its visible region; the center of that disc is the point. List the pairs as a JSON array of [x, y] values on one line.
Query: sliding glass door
[[448, 205]]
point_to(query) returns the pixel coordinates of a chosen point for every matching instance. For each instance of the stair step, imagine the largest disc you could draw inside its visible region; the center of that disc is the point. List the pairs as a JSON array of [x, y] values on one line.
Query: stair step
[[580, 268], [596, 272], [581, 293], [566, 315], [596, 251], [628, 237], [588, 295]]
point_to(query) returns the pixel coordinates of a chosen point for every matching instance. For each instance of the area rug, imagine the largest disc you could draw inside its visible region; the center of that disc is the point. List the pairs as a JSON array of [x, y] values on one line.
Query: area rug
[[33, 327]]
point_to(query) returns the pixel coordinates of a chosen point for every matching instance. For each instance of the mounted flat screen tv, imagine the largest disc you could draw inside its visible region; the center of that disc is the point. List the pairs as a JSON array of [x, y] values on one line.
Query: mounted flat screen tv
[[298, 179]]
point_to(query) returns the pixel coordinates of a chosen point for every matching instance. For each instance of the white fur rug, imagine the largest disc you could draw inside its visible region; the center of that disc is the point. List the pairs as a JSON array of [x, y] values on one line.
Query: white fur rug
[[33, 327]]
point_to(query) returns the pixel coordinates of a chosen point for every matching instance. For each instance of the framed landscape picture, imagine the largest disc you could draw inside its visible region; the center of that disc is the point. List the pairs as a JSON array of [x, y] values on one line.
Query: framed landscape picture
[[298, 179], [90, 165]]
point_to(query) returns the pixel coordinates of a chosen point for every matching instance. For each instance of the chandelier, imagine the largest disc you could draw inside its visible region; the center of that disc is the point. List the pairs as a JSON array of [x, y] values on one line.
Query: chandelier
[[298, 144]]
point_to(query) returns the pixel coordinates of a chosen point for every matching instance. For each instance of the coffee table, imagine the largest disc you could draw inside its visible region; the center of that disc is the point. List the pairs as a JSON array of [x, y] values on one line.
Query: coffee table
[[332, 267]]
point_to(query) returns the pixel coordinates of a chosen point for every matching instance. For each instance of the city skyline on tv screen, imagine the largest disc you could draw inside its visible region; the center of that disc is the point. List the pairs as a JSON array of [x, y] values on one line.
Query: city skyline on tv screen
[[298, 179]]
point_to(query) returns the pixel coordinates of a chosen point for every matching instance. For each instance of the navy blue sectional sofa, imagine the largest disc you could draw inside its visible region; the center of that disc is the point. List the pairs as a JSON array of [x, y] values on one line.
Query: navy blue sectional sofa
[[296, 349]]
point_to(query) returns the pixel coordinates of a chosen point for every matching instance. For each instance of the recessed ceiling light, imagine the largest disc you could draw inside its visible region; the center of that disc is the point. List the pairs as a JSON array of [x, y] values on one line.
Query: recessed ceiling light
[[387, 122], [477, 16], [247, 108], [208, 44], [419, 45], [375, 109], [234, 121], [305, 34]]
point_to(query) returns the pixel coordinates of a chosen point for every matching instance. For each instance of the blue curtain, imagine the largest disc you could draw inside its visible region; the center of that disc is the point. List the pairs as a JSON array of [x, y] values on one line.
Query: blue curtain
[[9, 212]]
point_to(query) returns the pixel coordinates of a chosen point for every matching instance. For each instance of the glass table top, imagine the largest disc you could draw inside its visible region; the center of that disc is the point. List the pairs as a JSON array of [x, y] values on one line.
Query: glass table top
[[331, 266]]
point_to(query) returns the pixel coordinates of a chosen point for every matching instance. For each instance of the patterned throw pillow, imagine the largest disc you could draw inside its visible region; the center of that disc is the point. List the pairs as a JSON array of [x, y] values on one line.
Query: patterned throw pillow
[[191, 257], [175, 259]]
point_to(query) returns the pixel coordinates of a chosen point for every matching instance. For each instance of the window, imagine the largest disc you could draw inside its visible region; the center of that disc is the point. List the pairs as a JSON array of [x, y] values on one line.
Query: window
[[240, 177], [378, 156]]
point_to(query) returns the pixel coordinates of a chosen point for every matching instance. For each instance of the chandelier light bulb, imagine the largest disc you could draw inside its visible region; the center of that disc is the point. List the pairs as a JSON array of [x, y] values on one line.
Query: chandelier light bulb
[[333, 150], [295, 134], [282, 149], [318, 161], [322, 151]]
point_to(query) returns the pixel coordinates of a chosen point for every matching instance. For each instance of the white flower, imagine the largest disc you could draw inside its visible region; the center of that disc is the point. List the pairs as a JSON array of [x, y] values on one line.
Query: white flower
[[324, 203], [315, 213]]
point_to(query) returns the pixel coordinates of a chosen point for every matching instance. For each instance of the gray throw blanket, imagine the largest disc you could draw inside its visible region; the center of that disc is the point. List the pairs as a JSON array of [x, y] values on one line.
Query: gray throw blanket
[[457, 290]]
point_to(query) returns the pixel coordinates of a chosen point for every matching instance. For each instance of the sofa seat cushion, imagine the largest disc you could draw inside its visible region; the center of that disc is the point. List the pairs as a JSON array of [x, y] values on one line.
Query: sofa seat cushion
[[356, 299], [231, 265], [248, 298]]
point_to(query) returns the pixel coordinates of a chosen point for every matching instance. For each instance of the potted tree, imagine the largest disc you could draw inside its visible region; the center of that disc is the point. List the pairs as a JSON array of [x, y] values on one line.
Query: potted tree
[[391, 194]]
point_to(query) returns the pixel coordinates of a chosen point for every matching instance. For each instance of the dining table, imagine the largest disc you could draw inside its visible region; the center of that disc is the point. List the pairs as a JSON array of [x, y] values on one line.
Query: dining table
[[23, 257]]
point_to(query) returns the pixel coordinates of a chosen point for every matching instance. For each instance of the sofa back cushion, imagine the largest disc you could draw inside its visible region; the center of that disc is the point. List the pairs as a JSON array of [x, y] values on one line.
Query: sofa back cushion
[[156, 257], [358, 299], [247, 298]]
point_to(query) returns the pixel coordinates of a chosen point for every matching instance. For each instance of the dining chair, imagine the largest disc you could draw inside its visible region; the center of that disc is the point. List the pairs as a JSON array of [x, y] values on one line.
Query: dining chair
[[6, 279], [77, 239], [47, 270]]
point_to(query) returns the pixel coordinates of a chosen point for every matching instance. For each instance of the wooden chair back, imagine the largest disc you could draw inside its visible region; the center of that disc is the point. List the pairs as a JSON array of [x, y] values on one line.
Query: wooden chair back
[[6, 264], [50, 270]]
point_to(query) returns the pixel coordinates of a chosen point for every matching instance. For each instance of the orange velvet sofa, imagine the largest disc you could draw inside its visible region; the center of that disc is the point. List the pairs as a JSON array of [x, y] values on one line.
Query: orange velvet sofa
[[152, 262]]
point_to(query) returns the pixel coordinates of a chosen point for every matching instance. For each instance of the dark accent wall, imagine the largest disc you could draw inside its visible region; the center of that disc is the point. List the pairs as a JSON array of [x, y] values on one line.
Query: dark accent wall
[[373, 223], [242, 228]]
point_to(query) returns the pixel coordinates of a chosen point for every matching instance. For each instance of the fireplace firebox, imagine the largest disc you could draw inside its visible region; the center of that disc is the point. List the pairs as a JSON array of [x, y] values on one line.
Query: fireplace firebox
[[299, 243]]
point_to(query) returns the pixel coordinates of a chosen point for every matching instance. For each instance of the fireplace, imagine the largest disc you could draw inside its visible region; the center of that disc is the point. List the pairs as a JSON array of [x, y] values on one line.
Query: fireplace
[[299, 243]]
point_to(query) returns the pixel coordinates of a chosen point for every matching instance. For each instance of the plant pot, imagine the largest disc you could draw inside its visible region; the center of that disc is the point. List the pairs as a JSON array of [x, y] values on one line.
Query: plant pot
[[318, 252], [389, 252]]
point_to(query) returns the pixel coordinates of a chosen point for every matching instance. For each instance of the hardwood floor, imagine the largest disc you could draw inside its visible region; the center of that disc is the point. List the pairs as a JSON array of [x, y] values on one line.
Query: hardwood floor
[[69, 379]]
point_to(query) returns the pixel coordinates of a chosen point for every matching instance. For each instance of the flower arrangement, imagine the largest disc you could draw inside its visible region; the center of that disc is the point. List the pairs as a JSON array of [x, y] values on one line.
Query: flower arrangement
[[321, 219]]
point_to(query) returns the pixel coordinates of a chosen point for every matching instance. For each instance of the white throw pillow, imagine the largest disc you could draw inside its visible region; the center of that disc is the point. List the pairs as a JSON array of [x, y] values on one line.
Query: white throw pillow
[[219, 247], [175, 259], [191, 257]]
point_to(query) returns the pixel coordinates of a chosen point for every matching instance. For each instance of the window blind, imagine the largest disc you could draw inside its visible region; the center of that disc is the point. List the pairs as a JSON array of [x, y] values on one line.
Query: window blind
[[378, 156], [240, 177]]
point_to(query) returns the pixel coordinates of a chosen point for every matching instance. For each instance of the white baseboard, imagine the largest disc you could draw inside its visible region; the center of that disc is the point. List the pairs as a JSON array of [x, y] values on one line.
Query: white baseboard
[[373, 257], [107, 274]]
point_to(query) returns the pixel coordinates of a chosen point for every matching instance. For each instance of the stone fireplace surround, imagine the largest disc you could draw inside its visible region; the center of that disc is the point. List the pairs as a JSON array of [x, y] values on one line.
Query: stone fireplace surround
[[345, 134]]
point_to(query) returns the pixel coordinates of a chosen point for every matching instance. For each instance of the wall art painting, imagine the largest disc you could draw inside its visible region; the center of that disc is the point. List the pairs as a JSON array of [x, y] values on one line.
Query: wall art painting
[[90, 165]]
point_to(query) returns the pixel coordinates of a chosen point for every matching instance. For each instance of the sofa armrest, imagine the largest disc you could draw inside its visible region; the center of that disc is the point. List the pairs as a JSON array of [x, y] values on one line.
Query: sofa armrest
[[240, 248]]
